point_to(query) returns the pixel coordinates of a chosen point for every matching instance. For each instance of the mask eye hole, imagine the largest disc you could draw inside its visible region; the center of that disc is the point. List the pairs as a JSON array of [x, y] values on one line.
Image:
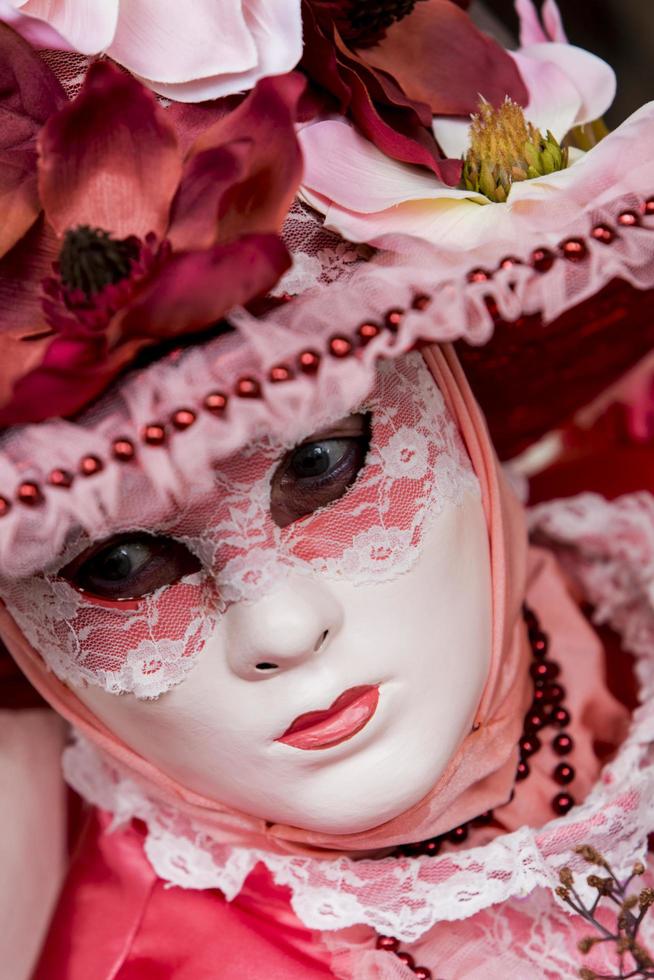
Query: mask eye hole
[[319, 470], [130, 566]]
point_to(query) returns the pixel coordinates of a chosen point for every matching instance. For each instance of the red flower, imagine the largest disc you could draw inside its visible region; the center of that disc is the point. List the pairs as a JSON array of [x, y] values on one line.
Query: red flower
[[154, 243], [413, 61], [359, 22], [29, 94]]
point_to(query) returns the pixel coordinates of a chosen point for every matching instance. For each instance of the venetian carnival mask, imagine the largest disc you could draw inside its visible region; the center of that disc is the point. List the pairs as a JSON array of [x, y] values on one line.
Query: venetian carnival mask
[[289, 640]]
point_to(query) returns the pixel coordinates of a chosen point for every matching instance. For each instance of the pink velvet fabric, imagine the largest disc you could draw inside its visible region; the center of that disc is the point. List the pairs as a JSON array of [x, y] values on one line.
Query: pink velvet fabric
[[480, 774]]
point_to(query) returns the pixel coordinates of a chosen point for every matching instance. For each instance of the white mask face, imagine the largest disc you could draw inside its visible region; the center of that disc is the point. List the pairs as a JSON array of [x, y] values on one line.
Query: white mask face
[[306, 628], [422, 641]]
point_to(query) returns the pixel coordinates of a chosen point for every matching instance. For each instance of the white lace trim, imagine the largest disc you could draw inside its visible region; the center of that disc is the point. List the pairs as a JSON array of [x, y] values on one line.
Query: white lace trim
[[416, 465], [610, 546]]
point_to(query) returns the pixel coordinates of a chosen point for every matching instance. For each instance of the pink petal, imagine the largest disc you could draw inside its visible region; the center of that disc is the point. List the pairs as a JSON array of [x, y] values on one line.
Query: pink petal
[[536, 209], [175, 42], [109, 159], [346, 169], [554, 22], [554, 100], [37, 32], [456, 224], [87, 25], [531, 28], [593, 79], [272, 45], [452, 135], [612, 167]]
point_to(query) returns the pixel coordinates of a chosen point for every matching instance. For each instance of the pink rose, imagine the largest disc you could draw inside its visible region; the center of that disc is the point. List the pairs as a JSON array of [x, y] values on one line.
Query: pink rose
[[187, 52]]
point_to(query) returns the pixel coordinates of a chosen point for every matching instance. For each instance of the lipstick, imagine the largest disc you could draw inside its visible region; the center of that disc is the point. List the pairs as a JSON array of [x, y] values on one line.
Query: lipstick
[[349, 713]]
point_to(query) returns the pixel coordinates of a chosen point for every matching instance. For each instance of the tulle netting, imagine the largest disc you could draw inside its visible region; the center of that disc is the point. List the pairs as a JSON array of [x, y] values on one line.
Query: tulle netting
[[609, 547], [414, 467]]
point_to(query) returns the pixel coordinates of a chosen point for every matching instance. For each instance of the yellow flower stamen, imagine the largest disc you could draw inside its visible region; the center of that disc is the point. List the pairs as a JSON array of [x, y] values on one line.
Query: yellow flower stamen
[[505, 148]]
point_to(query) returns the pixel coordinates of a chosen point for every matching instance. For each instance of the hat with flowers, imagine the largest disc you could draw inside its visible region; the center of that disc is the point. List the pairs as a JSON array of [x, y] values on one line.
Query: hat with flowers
[[407, 180]]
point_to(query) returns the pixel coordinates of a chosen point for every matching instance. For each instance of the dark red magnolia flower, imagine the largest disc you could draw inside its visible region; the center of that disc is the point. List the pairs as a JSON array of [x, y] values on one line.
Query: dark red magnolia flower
[[359, 22], [392, 66], [152, 242], [29, 94]]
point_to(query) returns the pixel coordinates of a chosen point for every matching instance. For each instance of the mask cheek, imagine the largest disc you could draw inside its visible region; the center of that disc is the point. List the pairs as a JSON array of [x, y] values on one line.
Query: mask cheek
[[143, 650]]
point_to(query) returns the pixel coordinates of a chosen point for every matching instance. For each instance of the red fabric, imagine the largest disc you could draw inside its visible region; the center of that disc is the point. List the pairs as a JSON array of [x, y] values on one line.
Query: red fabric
[[116, 921], [530, 380], [15, 689]]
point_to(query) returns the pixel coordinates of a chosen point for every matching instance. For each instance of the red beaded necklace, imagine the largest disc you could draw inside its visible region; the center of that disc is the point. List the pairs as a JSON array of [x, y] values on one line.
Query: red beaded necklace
[[546, 711]]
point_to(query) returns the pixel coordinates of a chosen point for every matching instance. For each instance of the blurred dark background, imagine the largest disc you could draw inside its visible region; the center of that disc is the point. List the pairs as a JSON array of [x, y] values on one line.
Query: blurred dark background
[[619, 31]]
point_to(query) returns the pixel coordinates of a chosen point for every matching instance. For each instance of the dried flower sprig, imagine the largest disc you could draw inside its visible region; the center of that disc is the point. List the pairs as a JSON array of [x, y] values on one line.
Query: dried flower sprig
[[633, 960]]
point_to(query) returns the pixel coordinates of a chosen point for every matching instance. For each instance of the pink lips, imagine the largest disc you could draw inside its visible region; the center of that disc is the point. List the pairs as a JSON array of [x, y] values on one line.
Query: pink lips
[[349, 713]]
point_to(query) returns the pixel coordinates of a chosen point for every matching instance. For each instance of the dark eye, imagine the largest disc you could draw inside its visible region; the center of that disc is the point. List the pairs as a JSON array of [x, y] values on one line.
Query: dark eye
[[320, 470], [130, 566]]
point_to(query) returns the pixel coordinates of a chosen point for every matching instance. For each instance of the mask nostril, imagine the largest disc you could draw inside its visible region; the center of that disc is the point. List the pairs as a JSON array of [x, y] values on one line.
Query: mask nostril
[[266, 666], [320, 641]]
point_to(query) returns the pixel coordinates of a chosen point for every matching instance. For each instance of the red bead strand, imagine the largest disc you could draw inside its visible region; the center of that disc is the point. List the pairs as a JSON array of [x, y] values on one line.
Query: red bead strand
[[551, 694]]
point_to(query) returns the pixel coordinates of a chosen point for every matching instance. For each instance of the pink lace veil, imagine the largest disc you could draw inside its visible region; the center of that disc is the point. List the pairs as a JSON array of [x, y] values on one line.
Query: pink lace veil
[[482, 771]]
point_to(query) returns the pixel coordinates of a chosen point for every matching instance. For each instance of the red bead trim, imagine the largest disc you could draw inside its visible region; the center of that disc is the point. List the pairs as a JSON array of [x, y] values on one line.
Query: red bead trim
[[123, 450], [340, 347], [367, 332], [562, 804], [309, 361], [248, 388], [564, 773], [154, 434], [509, 262], [393, 320], [90, 465], [563, 744], [542, 259], [629, 219], [604, 234], [574, 250], [183, 419], [420, 302], [30, 494], [280, 373], [389, 944], [215, 402], [61, 478], [479, 275]]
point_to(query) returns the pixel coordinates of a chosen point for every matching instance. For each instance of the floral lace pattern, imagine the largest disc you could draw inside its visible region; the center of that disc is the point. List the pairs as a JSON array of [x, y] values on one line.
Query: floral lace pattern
[[615, 818], [415, 466]]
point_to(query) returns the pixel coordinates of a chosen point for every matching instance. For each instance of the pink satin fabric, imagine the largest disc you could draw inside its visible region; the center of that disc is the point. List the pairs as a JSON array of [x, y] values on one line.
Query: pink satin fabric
[[116, 919], [481, 773]]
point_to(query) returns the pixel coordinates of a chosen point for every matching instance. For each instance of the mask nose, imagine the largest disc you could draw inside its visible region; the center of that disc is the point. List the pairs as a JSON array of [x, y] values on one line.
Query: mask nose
[[282, 630]]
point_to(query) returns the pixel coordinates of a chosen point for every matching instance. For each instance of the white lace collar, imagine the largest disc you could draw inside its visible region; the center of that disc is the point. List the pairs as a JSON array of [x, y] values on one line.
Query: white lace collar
[[614, 563]]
